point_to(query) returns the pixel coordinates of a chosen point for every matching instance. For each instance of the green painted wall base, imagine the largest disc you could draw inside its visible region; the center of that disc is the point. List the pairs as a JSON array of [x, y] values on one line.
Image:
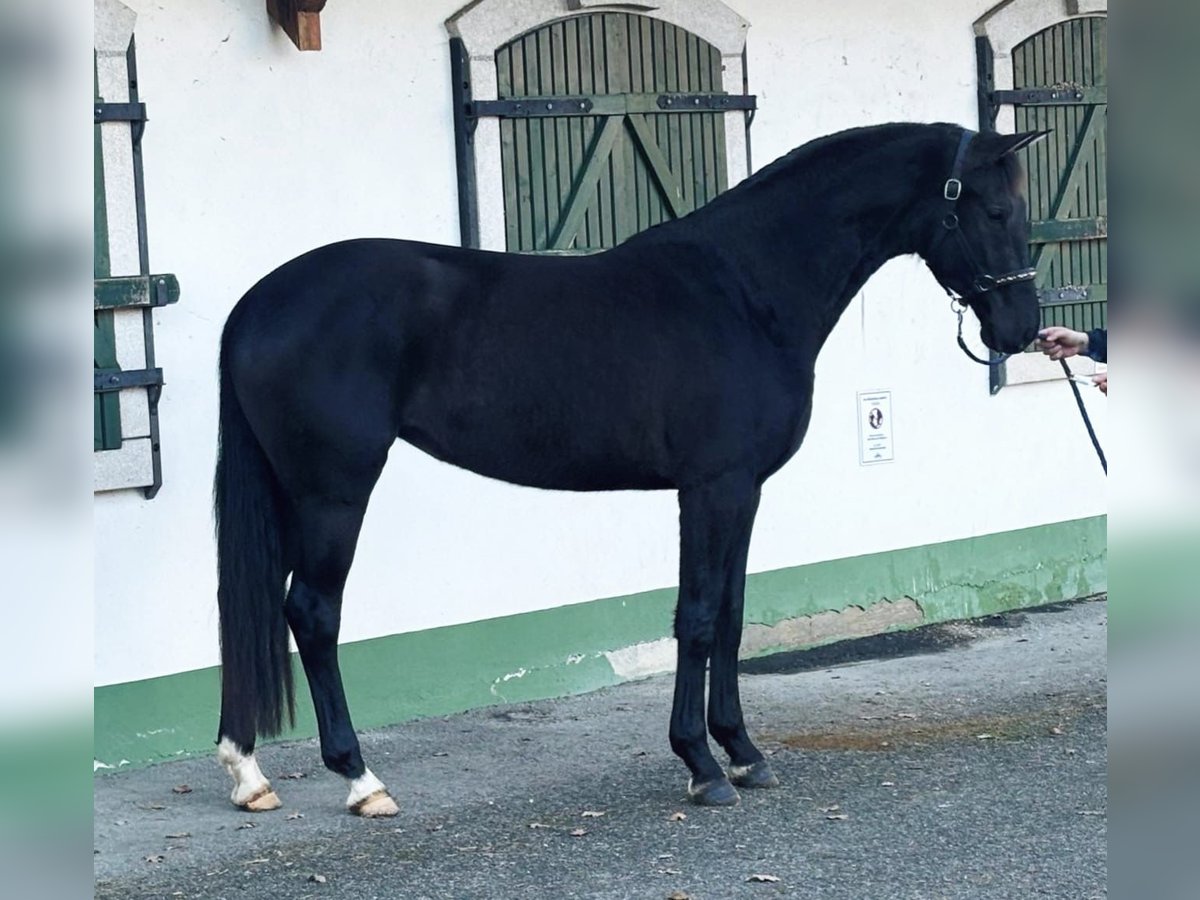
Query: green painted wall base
[[564, 650]]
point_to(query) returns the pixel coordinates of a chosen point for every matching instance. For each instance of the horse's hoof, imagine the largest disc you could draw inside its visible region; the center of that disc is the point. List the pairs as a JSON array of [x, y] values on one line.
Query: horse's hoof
[[375, 806], [263, 802], [718, 792], [755, 775]]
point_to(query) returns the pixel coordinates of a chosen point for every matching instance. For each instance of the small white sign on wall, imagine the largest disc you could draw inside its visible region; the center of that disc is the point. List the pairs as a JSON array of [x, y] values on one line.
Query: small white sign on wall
[[875, 427]]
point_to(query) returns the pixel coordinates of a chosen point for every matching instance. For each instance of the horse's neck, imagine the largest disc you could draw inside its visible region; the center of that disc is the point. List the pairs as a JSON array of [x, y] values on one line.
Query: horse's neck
[[806, 239]]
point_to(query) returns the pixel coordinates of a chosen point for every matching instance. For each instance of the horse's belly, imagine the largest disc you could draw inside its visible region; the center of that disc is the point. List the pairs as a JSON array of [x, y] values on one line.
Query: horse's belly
[[540, 457]]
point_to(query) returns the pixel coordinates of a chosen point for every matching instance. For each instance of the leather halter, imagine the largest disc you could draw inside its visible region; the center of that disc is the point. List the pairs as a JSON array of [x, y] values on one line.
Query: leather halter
[[982, 281]]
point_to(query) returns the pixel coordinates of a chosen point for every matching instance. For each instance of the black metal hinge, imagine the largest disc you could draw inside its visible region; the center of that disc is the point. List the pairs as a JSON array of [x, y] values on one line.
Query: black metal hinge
[[1053, 96], [134, 113], [690, 102], [108, 380], [609, 105], [120, 112], [1056, 296], [532, 107]]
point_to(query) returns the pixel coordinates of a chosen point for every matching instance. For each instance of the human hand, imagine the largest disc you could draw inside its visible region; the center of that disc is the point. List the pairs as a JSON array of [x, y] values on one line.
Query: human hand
[[1101, 381], [1059, 343]]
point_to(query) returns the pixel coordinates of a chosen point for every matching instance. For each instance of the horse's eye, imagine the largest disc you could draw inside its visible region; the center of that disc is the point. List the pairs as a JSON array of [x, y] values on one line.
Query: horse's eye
[[997, 213]]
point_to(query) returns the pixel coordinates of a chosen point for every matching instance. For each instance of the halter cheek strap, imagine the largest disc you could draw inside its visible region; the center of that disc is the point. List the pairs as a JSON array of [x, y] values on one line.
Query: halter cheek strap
[[953, 189]]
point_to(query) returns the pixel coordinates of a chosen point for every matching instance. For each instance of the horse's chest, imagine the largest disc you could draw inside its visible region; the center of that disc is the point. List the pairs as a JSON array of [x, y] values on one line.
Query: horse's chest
[[785, 426], [799, 426]]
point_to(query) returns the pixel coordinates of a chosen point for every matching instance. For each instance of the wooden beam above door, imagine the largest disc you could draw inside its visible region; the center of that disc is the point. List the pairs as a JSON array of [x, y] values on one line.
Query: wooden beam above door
[[300, 19]]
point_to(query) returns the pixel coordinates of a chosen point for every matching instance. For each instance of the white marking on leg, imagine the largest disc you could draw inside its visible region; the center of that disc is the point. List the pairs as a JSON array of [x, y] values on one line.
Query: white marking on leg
[[363, 787], [368, 797], [251, 790]]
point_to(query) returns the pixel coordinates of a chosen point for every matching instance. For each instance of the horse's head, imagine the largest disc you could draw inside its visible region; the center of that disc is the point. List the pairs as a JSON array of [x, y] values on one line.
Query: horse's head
[[979, 248]]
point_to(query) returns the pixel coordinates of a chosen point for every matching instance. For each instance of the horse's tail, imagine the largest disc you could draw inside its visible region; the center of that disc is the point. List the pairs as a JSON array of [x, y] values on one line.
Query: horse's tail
[[256, 673]]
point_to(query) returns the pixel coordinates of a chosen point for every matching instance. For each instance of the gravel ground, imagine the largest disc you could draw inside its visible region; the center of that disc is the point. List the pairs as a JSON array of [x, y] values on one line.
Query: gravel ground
[[958, 761]]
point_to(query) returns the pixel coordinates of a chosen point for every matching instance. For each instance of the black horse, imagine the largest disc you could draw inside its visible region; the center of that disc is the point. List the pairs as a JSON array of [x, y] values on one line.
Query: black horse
[[681, 360]]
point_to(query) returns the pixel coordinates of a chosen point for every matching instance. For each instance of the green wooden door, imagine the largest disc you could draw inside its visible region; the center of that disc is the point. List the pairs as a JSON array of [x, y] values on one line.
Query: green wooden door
[[581, 183], [1068, 188]]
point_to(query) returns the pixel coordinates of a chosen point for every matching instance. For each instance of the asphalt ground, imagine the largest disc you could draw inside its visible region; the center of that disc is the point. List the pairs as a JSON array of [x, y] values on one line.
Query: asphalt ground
[[965, 760]]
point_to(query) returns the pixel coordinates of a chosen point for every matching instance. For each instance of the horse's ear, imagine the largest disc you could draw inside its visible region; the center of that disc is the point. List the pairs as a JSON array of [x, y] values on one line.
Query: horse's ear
[[993, 146], [1026, 139]]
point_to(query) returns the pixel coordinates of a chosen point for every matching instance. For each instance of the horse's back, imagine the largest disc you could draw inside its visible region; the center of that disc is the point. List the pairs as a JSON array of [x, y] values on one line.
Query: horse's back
[[627, 369]]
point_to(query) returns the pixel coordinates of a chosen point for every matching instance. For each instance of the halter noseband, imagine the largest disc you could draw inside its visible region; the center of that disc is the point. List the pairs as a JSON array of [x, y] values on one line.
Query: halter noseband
[[982, 282]]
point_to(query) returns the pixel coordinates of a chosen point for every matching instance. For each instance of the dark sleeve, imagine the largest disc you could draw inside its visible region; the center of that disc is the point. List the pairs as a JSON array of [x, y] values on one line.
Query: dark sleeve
[[1098, 345]]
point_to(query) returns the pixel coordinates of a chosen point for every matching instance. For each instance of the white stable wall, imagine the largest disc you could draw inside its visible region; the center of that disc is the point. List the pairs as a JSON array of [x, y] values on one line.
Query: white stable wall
[[255, 152]]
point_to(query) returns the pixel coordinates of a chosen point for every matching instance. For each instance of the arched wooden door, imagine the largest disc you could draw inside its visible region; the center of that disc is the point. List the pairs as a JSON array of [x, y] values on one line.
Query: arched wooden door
[[611, 123], [1063, 72]]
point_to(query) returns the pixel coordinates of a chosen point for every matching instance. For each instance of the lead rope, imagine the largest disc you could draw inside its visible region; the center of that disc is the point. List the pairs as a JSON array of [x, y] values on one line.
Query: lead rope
[[959, 309], [1083, 412]]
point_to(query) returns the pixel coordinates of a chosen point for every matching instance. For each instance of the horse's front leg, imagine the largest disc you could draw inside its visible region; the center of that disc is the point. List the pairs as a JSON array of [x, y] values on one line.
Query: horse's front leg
[[747, 766], [714, 525]]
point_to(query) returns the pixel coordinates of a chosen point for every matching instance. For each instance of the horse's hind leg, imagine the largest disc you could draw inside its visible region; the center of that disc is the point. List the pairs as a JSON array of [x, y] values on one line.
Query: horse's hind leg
[[714, 524], [251, 790], [327, 532], [748, 768]]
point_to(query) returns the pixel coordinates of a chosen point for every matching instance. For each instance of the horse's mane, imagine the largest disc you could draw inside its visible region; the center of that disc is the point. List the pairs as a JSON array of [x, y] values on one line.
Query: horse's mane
[[836, 147], [819, 154], [812, 150]]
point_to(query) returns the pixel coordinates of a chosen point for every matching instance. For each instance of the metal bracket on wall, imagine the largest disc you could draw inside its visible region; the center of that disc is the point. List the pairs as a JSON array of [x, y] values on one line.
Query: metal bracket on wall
[[108, 380], [136, 291], [120, 112], [134, 113]]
